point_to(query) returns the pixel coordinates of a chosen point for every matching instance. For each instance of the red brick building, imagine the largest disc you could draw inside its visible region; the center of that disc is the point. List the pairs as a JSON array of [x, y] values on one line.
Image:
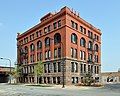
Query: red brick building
[[63, 38]]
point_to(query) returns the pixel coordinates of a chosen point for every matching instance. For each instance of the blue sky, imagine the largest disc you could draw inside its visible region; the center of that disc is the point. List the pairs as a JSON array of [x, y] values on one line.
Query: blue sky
[[19, 15]]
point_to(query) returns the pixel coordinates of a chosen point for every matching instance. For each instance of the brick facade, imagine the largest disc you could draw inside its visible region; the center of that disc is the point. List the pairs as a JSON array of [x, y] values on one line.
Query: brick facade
[[63, 38]]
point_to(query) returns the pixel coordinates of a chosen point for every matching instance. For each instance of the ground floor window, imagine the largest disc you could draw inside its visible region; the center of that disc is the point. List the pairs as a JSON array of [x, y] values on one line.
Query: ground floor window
[[82, 80], [44, 79], [54, 80], [58, 80], [74, 80], [48, 79]]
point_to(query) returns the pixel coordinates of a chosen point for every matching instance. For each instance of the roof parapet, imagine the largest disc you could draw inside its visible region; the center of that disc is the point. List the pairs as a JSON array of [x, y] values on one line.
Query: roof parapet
[[46, 16]]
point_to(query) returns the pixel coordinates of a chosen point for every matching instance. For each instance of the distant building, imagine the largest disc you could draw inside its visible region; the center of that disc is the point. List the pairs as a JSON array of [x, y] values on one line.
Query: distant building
[[4, 74], [62, 40], [110, 77]]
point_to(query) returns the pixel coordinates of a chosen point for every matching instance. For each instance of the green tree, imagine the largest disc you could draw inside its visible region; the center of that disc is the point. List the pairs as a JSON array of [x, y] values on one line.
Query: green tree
[[88, 80], [16, 72], [38, 70]]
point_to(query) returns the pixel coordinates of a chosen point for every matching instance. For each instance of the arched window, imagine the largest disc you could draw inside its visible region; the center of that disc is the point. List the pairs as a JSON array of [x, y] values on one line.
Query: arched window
[[82, 42], [57, 38], [90, 45], [39, 45], [74, 38], [47, 41], [32, 47], [96, 48]]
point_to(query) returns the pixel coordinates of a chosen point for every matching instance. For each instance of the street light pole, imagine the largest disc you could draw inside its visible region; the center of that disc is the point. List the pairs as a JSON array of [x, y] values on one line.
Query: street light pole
[[10, 66], [63, 86]]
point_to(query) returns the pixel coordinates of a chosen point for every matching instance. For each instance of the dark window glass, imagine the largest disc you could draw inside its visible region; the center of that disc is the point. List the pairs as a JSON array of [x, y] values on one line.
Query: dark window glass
[[54, 65], [84, 68], [59, 67], [59, 23], [32, 47], [59, 52], [72, 66], [90, 45], [47, 41], [39, 45], [74, 38], [81, 68], [57, 38], [55, 25], [96, 47], [82, 42]]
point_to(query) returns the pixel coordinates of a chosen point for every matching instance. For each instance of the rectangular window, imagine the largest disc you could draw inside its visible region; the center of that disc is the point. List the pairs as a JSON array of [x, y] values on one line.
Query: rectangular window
[[91, 68], [30, 37], [40, 32], [73, 80], [49, 28], [54, 65], [84, 68], [40, 56], [44, 79], [46, 55], [59, 23], [91, 35], [89, 57], [37, 35], [32, 58], [75, 53], [88, 68], [84, 30], [49, 54], [26, 39], [45, 69], [72, 24], [32, 69], [59, 52], [84, 55], [45, 30], [48, 67], [72, 66], [81, 55], [55, 25], [95, 69], [72, 52], [81, 29], [81, 68], [59, 67], [76, 67], [88, 33], [76, 80], [97, 59], [98, 38], [76, 26], [95, 36], [55, 53]]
